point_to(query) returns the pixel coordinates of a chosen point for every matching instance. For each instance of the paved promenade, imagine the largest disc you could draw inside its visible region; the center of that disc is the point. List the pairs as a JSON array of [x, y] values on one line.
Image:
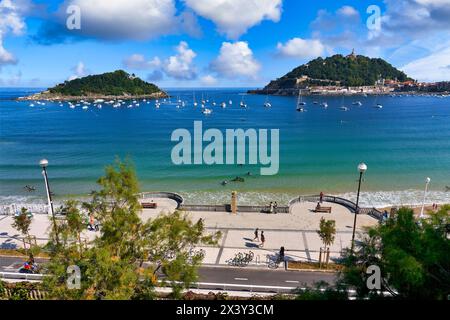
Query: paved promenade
[[297, 231]]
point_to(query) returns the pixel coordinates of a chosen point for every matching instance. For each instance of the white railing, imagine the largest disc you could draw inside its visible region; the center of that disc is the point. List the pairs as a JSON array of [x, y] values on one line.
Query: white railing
[[21, 276], [15, 208]]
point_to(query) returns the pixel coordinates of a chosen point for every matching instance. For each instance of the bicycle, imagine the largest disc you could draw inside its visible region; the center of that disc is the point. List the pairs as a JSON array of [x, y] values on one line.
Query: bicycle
[[241, 260], [197, 254], [274, 263]]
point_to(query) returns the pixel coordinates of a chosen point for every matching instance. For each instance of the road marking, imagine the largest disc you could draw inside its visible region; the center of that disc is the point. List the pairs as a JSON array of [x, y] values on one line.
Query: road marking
[[241, 279], [292, 281]]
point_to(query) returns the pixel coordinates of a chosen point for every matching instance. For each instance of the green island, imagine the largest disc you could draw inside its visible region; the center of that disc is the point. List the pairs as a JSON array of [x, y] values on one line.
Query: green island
[[351, 74], [117, 84]]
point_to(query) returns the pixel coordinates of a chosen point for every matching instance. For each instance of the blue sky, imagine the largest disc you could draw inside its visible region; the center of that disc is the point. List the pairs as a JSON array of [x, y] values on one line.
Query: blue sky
[[218, 43]]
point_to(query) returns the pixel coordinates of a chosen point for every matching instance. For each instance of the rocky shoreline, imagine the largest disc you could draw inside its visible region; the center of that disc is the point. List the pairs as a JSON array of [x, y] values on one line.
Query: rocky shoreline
[[47, 96]]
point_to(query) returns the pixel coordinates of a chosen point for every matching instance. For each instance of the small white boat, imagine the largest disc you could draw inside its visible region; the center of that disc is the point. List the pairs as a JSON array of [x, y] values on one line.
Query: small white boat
[[378, 106], [85, 107], [207, 111], [157, 105], [300, 102], [32, 105], [267, 104], [223, 105], [357, 103], [343, 108], [230, 102], [324, 104], [99, 106]]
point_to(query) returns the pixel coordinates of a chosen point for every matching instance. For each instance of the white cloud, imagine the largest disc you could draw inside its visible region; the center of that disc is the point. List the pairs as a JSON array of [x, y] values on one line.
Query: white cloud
[[118, 19], [208, 80], [11, 21], [347, 11], [416, 18], [138, 62], [235, 17], [180, 66], [236, 60], [434, 67], [301, 48], [79, 71]]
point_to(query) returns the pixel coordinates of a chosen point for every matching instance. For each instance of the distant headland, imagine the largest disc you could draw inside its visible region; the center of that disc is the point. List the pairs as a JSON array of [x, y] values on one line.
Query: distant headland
[[112, 85], [352, 74]]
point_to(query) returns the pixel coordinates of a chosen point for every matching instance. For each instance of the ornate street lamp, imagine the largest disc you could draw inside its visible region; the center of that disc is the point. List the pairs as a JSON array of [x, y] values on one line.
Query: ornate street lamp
[[362, 168], [44, 163]]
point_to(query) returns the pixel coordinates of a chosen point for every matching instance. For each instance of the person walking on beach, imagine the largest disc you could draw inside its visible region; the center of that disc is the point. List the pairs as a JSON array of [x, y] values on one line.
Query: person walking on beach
[[256, 235], [263, 239], [321, 197], [271, 207], [275, 207]]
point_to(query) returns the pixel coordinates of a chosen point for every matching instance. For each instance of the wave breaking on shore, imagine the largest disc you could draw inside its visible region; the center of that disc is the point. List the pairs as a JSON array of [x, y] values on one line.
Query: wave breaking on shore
[[379, 199]]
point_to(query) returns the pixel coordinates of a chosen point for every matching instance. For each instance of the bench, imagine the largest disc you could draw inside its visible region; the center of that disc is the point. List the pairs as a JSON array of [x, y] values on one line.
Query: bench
[[323, 209], [149, 205]]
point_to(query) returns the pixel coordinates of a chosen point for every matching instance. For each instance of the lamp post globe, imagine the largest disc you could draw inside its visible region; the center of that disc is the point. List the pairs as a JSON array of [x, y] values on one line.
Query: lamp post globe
[[362, 168], [43, 163]]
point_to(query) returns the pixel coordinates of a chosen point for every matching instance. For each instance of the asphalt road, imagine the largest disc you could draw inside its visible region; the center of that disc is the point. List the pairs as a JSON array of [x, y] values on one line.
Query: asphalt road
[[263, 277], [226, 275]]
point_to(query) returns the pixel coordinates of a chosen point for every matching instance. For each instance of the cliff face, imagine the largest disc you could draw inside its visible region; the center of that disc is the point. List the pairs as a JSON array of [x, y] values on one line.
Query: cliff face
[[117, 84], [338, 70]]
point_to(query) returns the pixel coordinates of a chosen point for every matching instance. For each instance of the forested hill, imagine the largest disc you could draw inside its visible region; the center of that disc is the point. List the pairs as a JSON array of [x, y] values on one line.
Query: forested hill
[[117, 83], [353, 70]]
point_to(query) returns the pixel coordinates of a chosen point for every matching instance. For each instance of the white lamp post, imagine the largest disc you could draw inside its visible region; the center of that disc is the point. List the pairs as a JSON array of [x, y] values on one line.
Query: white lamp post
[[427, 183], [44, 163], [362, 168]]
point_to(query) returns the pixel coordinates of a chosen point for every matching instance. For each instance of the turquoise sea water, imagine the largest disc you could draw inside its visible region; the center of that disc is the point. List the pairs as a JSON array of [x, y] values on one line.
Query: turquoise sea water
[[402, 144]]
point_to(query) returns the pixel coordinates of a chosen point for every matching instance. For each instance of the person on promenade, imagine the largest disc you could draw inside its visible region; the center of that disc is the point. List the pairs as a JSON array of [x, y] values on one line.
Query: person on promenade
[[318, 206], [321, 197], [275, 207], [263, 239], [91, 222], [281, 255], [256, 235], [271, 207]]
